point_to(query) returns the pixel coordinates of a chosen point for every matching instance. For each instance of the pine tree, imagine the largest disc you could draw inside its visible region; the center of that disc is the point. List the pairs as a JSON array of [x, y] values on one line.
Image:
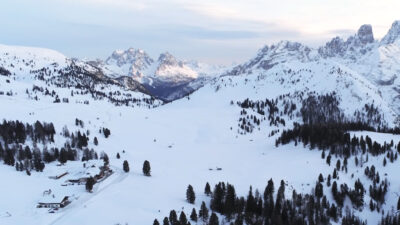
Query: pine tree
[[320, 178], [328, 159], [371, 205], [269, 199], [398, 204], [319, 191], [190, 195], [338, 164], [239, 220], [118, 156], [398, 147], [106, 132], [328, 182], [230, 200], [203, 212], [217, 199], [334, 174], [166, 221], [156, 222], [213, 219], [126, 166], [95, 141], [250, 206], [207, 189], [193, 215], [173, 218], [106, 159], [146, 168], [182, 218], [89, 184], [384, 161]]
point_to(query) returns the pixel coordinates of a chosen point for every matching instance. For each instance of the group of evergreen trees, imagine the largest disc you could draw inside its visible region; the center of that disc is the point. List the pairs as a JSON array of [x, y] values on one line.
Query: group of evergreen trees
[[194, 217], [266, 110], [391, 219], [4, 71], [26, 159], [18, 132], [316, 111], [19, 145], [336, 139], [272, 208], [356, 195]]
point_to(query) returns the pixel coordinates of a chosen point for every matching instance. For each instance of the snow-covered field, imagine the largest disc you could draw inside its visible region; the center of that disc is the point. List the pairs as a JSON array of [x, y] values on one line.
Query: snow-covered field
[[200, 140], [185, 141]]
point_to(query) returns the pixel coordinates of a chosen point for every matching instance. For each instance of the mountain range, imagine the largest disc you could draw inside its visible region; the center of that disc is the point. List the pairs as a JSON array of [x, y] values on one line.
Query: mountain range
[[361, 54]]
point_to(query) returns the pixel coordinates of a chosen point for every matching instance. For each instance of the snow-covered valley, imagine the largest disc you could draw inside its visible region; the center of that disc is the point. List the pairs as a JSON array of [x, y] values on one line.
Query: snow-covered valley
[[226, 130]]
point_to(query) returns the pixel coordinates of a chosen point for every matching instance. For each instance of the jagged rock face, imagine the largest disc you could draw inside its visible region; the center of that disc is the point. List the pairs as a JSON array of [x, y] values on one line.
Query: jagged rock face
[[167, 59], [359, 44], [166, 78], [365, 34], [269, 56], [169, 68], [138, 64], [392, 35], [335, 47], [136, 59]]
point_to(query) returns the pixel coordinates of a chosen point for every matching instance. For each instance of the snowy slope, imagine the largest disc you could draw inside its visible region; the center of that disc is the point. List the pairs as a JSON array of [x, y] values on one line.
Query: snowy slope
[[31, 70]]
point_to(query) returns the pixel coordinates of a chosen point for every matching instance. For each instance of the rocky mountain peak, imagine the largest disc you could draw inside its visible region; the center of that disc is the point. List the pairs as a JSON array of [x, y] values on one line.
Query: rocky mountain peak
[[332, 48], [356, 44], [167, 59], [393, 34], [365, 34], [131, 56]]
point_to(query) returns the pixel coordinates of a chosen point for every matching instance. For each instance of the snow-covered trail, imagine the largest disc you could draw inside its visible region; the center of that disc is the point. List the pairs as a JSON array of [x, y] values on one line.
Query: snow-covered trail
[[81, 202]]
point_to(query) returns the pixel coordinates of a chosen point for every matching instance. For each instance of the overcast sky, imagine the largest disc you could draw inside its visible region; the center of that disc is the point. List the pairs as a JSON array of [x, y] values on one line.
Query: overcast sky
[[213, 31]]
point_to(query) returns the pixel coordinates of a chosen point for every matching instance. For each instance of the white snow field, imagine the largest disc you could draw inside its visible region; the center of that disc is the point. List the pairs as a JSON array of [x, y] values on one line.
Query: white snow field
[[183, 141]]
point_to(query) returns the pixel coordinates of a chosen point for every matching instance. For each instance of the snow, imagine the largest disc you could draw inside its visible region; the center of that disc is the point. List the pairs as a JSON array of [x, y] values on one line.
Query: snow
[[41, 57], [198, 131], [188, 139], [207, 143]]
